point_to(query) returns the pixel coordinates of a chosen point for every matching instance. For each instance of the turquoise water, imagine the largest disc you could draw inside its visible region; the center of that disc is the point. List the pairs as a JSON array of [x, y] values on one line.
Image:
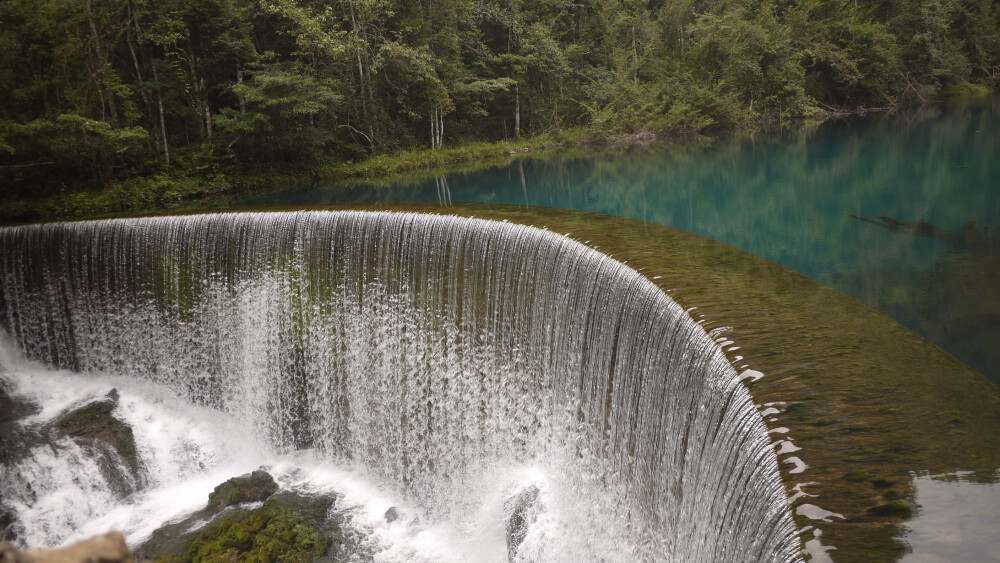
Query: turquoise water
[[789, 196]]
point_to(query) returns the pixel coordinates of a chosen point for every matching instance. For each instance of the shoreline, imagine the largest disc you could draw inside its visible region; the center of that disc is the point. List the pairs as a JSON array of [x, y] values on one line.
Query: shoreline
[[175, 190]]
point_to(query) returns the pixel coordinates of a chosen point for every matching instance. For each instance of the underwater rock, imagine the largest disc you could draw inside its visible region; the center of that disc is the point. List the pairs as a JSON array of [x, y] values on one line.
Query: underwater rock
[[252, 487], [521, 512], [896, 509], [93, 426], [109, 548]]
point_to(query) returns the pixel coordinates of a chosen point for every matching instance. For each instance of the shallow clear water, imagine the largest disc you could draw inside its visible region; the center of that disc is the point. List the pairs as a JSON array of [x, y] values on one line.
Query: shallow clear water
[[788, 196]]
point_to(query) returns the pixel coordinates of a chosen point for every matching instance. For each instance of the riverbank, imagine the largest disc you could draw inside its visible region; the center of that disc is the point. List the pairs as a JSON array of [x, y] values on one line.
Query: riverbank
[[198, 186], [179, 186]]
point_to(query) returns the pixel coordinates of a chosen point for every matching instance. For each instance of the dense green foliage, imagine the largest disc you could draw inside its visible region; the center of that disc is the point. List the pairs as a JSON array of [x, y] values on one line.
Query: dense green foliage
[[149, 102]]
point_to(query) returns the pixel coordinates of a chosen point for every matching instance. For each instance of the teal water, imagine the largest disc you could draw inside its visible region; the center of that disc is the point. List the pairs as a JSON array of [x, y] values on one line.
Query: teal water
[[789, 195]]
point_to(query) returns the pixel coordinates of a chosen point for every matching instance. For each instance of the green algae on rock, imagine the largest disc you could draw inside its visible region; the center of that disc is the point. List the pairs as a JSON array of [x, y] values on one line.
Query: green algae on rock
[[288, 526]]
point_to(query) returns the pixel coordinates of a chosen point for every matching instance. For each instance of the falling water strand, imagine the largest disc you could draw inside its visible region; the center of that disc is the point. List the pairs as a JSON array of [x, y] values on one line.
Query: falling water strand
[[429, 352]]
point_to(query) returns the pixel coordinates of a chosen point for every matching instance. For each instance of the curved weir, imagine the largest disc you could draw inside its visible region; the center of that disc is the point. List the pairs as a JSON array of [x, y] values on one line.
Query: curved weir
[[432, 353]]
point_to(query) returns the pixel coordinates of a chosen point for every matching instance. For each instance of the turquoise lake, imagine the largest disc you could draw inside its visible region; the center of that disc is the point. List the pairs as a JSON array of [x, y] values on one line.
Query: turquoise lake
[[807, 196]]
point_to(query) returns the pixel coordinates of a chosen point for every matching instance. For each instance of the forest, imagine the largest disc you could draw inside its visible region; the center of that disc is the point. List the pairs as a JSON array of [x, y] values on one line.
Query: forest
[[118, 104]]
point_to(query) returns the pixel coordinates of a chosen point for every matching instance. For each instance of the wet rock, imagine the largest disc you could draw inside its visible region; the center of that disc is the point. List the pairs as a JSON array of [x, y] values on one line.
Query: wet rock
[[109, 548], [8, 525], [287, 527], [15, 443], [95, 422], [14, 408], [174, 540], [252, 487], [93, 426], [521, 511], [392, 514]]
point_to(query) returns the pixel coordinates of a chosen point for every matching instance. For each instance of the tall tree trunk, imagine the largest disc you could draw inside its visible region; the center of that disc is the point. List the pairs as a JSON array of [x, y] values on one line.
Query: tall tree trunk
[[635, 59], [138, 70], [239, 80], [198, 84], [163, 123], [107, 96], [156, 79], [206, 111], [517, 112]]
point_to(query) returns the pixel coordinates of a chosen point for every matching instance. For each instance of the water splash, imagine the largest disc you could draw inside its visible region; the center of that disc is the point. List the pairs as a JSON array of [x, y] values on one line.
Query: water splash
[[434, 354]]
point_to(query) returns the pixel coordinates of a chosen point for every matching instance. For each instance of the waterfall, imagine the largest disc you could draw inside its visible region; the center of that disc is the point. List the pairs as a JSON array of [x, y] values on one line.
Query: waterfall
[[430, 352]]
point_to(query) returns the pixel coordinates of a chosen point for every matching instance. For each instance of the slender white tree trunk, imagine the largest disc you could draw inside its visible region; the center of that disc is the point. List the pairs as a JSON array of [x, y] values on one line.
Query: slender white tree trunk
[[517, 112]]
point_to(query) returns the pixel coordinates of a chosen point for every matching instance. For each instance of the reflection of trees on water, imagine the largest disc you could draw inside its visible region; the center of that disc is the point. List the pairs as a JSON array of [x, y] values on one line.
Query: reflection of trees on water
[[443, 190], [954, 300], [968, 238]]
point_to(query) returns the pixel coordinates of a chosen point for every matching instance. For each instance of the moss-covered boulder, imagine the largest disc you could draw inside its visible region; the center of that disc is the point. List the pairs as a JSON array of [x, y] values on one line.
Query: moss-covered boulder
[[289, 527], [252, 487], [274, 532], [94, 427]]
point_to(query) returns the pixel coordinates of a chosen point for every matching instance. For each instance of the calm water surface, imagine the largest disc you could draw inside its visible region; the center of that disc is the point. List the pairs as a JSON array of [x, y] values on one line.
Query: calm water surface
[[799, 197]]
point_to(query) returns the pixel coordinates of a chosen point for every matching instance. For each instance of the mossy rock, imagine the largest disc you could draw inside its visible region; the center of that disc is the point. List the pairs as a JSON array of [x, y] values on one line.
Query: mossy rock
[[94, 426], [252, 487], [95, 422], [289, 527]]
